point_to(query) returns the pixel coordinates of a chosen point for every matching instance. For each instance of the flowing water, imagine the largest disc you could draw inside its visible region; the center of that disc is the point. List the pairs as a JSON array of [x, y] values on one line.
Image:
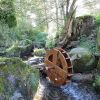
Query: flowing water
[[80, 92], [71, 91]]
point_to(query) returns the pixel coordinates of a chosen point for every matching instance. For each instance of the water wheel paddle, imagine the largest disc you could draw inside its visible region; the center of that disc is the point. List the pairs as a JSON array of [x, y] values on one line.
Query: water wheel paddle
[[58, 66]]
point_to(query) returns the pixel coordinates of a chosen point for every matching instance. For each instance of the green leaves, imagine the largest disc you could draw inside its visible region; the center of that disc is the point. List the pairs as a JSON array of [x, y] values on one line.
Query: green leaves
[[7, 13], [98, 20]]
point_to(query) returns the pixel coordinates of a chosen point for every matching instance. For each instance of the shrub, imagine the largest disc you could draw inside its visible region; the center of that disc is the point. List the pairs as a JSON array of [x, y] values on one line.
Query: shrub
[[7, 13], [97, 19], [41, 38], [50, 43], [39, 52]]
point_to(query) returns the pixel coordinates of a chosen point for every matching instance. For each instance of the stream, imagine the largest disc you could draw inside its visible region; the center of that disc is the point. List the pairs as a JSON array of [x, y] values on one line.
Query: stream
[[71, 91], [80, 92]]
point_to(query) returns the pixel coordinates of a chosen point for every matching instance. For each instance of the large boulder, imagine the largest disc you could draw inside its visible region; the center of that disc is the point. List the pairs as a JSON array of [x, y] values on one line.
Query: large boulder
[[82, 59], [87, 32], [84, 25], [18, 81]]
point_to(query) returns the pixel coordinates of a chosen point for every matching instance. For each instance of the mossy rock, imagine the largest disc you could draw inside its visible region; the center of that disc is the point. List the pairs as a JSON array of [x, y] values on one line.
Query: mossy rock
[[97, 53], [96, 83], [88, 42], [25, 42], [16, 75], [14, 51], [17, 51], [83, 60], [98, 39], [39, 52], [98, 66]]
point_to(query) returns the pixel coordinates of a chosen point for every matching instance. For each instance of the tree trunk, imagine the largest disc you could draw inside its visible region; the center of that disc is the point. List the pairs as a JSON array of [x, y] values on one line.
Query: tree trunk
[[57, 21], [46, 18], [70, 15]]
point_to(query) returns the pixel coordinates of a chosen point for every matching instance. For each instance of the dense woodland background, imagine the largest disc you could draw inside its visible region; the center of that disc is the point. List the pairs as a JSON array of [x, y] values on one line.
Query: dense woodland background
[[29, 20], [28, 28]]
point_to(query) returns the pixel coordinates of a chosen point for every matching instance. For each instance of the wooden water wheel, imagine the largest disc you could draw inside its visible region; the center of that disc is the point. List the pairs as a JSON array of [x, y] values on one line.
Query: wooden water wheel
[[58, 66]]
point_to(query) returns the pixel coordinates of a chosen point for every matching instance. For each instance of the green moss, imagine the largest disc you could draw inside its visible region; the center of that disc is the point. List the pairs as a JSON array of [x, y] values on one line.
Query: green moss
[[26, 42], [85, 42], [34, 79], [96, 83], [83, 59], [14, 66], [2, 87], [27, 76], [98, 46], [98, 66], [7, 12], [97, 20], [98, 39], [84, 17], [15, 50], [39, 52]]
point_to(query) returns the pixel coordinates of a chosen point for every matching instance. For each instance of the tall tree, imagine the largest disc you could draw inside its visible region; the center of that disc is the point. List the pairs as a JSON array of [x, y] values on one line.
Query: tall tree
[[70, 15]]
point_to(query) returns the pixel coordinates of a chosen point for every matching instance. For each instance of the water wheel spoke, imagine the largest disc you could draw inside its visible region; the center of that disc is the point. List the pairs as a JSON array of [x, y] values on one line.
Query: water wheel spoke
[[55, 56]]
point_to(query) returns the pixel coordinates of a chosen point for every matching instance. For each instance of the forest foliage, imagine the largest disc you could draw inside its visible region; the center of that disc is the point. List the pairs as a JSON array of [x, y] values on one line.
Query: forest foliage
[[32, 20]]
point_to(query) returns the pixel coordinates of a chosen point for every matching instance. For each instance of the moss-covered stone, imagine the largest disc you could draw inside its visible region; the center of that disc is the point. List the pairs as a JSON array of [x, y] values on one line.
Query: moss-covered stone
[[83, 60], [88, 42], [98, 20], [98, 40], [2, 81], [39, 52], [17, 50], [98, 66], [96, 83], [16, 75], [14, 50], [98, 47]]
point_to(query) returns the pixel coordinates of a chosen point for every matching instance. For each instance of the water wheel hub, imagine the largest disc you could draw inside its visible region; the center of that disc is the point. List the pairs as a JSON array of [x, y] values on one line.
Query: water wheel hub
[[58, 66]]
